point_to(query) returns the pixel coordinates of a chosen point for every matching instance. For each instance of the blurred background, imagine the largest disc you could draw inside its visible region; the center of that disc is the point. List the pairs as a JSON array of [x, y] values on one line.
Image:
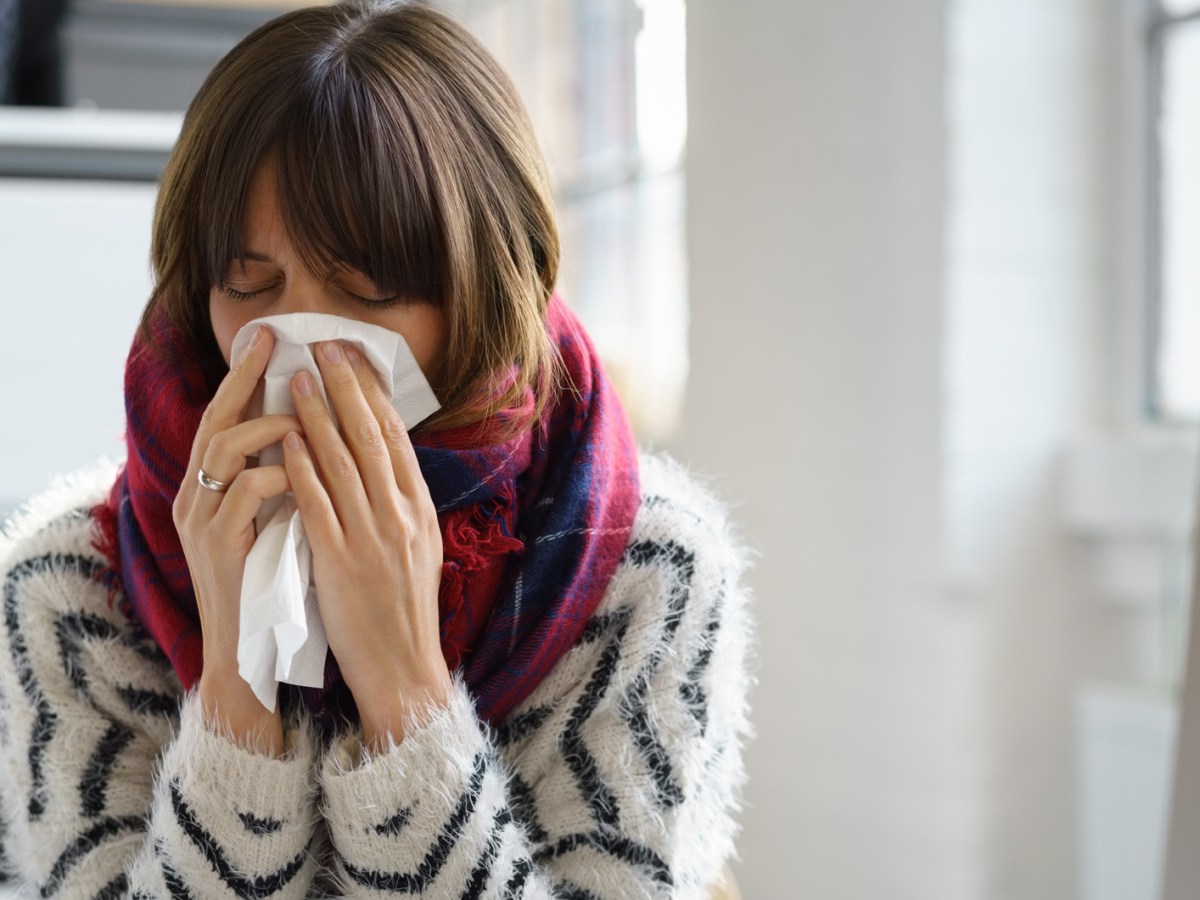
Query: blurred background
[[911, 281]]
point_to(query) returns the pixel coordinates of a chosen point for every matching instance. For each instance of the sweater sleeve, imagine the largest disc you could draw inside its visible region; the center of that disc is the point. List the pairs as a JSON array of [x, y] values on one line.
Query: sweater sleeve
[[110, 786], [618, 777]]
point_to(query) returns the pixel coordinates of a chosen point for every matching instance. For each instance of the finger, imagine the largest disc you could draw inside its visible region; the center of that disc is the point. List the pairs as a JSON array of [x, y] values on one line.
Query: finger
[[227, 452], [316, 509], [247, 494], [405, 469], [333, 461], [360, 428], [232, 396]]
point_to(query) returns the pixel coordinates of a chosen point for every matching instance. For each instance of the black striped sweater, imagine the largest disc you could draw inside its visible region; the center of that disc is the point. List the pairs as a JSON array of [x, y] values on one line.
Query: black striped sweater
[[617, 777]]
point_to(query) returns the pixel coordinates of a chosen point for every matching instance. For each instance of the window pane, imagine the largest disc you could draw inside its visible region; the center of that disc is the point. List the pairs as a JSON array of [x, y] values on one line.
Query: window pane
[[1180, 7], [605, 84], [1179, 349]]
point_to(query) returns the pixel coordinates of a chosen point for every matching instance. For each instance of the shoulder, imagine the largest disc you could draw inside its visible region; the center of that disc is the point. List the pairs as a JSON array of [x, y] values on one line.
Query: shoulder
[[677, 609], [678, 606], [58, 519], [62, 629], [685, 559], [53, 535], [641, 725], [683, 513]]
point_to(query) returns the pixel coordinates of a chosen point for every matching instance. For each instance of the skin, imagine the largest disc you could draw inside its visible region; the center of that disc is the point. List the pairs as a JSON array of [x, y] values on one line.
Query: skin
[[377, 550]]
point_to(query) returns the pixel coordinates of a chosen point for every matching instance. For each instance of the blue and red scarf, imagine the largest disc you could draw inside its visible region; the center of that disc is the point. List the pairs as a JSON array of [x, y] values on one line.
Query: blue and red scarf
[[533, 526]]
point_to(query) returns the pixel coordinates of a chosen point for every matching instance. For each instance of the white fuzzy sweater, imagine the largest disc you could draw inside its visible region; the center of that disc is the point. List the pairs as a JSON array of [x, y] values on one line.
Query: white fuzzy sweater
[[617, 777]]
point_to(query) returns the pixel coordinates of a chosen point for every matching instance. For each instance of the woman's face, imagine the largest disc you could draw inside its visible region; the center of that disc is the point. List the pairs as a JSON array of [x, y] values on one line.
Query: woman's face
[[275, 281]]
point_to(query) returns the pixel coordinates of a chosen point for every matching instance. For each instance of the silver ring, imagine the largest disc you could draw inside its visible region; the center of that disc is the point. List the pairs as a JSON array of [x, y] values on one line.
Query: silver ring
[[207, 481]]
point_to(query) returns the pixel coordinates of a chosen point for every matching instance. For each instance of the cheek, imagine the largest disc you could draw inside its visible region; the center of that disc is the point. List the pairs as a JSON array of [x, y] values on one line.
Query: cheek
[[428, 343], [226, 320], [423, 328]]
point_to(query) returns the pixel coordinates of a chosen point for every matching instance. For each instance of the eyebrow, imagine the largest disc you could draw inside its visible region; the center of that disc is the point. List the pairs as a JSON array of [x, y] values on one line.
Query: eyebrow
[[256, 256], [244, 257]]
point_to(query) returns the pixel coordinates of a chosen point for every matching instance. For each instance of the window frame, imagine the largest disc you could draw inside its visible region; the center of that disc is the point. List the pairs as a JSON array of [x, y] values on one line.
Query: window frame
[[1158, 26]]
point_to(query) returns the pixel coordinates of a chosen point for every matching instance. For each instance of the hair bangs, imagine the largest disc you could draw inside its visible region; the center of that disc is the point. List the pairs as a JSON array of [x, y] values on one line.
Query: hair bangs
[[400, 150], [240, 141], [353, 187]]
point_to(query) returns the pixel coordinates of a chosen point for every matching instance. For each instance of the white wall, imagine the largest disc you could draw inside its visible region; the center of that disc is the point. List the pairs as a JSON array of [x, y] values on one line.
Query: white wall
[[896, 328], [1037, 240], [75, 258], [816, 187], [903, 237]]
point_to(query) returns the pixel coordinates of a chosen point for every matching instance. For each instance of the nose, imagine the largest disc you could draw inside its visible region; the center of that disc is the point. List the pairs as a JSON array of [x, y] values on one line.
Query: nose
[[301, 292]]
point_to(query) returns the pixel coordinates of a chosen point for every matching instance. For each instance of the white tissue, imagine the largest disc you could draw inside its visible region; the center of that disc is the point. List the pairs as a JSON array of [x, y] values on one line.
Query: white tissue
[[280, 636]]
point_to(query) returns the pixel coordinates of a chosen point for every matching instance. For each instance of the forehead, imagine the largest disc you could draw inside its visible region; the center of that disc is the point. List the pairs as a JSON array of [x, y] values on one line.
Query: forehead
[[264, 234], [262, 225], [329, 208]]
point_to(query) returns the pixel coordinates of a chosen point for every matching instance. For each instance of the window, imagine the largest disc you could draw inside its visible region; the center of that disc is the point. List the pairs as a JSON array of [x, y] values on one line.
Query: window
[[604, 82], [1175, 214]]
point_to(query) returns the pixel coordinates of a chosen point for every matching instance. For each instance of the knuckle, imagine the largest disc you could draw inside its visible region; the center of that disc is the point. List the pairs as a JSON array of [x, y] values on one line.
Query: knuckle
[[222, 544], [209, 533], [247, 481], [391, 525], [391, 533], [342, 378], [317, 516], [393, 428], [434, 536], [240, 367], [342, 467], [311, 412], [206, 418], [367, 382], [311, 510], [429, 523], [371, 386], [368, 436], [264, 477], [218, 444]]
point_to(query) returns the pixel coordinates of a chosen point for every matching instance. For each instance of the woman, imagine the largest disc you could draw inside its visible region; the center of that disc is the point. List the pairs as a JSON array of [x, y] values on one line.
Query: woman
[[537, 639]]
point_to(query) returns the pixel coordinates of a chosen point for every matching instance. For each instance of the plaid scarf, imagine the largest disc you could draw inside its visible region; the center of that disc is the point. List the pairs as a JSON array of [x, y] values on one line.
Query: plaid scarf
[[533, 526]]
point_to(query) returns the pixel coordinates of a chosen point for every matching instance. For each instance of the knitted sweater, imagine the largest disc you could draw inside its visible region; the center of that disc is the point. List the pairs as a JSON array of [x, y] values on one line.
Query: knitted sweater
[[617, 777]]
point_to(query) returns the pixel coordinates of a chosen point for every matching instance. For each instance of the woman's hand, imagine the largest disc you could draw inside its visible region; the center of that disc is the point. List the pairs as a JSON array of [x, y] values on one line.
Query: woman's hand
[[217, 532], [377, 548]]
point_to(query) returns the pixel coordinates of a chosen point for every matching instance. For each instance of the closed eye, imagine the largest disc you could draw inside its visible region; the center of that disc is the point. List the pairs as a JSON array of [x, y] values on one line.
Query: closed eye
[[244, 295], [377, 302]]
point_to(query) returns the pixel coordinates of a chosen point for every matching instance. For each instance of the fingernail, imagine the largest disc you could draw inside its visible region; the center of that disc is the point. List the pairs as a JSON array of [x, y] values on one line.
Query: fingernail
[[332, 351], [256, 337], [292, 441], [305, 384], [354, 357]]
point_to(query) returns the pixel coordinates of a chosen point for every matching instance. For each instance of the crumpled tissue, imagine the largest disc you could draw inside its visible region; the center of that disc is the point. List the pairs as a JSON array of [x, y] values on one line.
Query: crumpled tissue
[[280, 637]]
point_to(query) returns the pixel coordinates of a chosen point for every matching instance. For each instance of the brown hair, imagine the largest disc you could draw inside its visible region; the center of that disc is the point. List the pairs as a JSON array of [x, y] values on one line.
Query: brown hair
[[402, 150]]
